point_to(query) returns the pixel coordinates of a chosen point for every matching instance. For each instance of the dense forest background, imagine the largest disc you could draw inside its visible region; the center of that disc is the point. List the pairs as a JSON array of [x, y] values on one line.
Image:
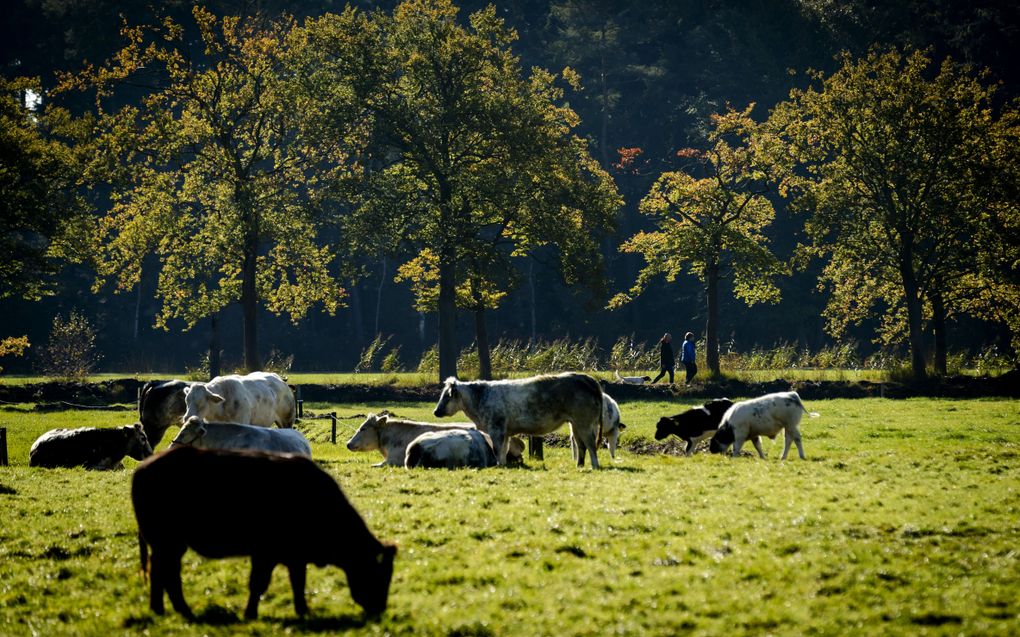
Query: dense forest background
[[652, 73]]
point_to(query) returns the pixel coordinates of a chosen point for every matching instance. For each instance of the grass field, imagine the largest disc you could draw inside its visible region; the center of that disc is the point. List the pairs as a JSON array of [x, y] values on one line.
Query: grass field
[[904, 520]]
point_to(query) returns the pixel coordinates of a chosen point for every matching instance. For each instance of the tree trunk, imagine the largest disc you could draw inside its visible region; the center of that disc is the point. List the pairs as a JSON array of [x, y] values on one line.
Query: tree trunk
[[357, 322], [712, 326], [481, 335], [447, 314], [916, 329], [378, 295], [249, 273], [215, 365], [534, 300], [938, 310], [138, 310]]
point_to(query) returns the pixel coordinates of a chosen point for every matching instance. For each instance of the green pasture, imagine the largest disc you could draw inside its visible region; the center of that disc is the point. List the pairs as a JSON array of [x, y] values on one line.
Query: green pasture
[[904, 520]]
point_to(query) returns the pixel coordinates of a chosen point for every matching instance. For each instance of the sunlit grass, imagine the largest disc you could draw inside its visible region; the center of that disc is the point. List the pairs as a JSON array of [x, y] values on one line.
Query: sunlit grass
[[902, 521]]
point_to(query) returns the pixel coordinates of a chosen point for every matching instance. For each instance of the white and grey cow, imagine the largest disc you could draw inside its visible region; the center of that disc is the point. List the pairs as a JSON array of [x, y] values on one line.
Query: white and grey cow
[[259, 399], [530, 406], [611, 426], [451, 449], [763, 416], [90, 447], [219, 435], [391, 436]]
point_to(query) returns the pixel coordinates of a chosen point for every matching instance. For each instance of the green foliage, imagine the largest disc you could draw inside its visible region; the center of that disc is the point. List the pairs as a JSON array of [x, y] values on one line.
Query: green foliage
[[372, 356], [216, 173], [278, 362], [878, 538], [391, 362], [40, 155], [482, 161], [70, 353], [13, 346], [900, 162]]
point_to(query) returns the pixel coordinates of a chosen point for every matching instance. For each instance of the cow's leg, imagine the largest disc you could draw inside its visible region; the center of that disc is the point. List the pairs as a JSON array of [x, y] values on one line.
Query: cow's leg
[[573, 444], [258, 582], [156, 586], [795, 437], [689, 451], [296, 570], [497, 432], [756, 440], [172, 581], [586, 441], [787, 441], [738, 442]]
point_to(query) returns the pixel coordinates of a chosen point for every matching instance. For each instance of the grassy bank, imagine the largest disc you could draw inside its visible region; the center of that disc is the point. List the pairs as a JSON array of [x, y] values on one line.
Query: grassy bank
[[901, 521]]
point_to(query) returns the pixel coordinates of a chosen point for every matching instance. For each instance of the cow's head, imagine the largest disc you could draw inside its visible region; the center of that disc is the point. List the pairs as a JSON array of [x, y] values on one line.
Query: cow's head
[[451, 400], [369, 577], [137, 443], [366, 438], [722, 439], [161, 405], [664, 428], [191, 433], [198, 399]]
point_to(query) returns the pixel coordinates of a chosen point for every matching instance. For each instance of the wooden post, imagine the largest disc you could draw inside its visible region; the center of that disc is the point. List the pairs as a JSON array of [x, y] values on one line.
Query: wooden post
[[535, 447], [3, 446], [300, 403], [138, 400], [332, 416]]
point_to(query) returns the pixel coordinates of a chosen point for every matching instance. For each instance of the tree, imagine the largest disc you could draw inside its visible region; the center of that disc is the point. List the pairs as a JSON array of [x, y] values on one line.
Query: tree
[[39, 196], [712, 226], [892, 157], [468, 151], [218, 172]]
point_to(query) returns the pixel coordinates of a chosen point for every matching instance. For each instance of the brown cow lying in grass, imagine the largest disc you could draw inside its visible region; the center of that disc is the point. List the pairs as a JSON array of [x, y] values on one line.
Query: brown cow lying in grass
[[276, 508]]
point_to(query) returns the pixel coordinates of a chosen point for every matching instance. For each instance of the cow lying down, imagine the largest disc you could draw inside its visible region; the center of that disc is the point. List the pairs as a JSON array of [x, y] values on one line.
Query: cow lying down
[[277, 509], [217, 435], [693, 425], [391, 436], [89, 447], [451, 449], [764, 416]]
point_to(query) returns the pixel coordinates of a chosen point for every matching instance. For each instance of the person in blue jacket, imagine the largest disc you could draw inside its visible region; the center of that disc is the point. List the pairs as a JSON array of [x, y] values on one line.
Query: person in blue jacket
[[687, 357], [667, 361]]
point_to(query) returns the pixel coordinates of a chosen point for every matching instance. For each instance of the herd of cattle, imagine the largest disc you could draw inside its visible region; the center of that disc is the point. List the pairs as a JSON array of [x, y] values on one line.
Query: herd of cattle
[[227, 439]]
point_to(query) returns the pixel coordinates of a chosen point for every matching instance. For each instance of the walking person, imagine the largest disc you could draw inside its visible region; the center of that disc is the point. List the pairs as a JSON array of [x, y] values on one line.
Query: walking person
[[687, 357], [667, 361]]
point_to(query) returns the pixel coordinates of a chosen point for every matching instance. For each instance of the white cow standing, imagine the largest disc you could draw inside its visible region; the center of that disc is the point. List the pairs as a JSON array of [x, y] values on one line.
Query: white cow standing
[[259, 399]]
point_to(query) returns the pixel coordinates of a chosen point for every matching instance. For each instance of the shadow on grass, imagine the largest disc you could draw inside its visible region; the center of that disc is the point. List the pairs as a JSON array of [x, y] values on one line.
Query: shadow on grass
[[324, 624], [216, 615]]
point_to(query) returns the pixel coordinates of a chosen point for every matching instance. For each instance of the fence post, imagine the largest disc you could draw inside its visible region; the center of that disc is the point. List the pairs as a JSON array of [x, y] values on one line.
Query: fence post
[[3, 446], [300, 403], [332, 416], [138, 399], [535, 447]]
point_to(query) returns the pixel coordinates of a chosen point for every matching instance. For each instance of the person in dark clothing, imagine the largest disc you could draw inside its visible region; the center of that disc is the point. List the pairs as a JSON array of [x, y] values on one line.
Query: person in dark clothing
[[687, 357], [667, 362]]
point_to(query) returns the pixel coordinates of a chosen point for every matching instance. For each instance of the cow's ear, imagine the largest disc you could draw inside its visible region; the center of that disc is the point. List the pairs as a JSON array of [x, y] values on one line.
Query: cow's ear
[[387, 554], [382, 419], [216, 398], [622, 426]]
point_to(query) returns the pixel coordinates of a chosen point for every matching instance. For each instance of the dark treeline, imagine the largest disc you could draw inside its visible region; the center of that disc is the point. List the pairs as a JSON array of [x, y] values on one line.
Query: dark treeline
[[652, 74]]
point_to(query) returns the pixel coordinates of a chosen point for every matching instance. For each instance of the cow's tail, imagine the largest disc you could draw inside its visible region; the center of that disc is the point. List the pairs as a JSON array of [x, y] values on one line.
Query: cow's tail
[[602, 416], [143, 553], [811, 414]]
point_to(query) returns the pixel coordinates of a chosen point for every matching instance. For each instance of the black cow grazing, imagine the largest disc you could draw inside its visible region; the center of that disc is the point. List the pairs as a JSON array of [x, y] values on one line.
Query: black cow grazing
[[693, 425], [276, 508], [162, 404], [89, 447]]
